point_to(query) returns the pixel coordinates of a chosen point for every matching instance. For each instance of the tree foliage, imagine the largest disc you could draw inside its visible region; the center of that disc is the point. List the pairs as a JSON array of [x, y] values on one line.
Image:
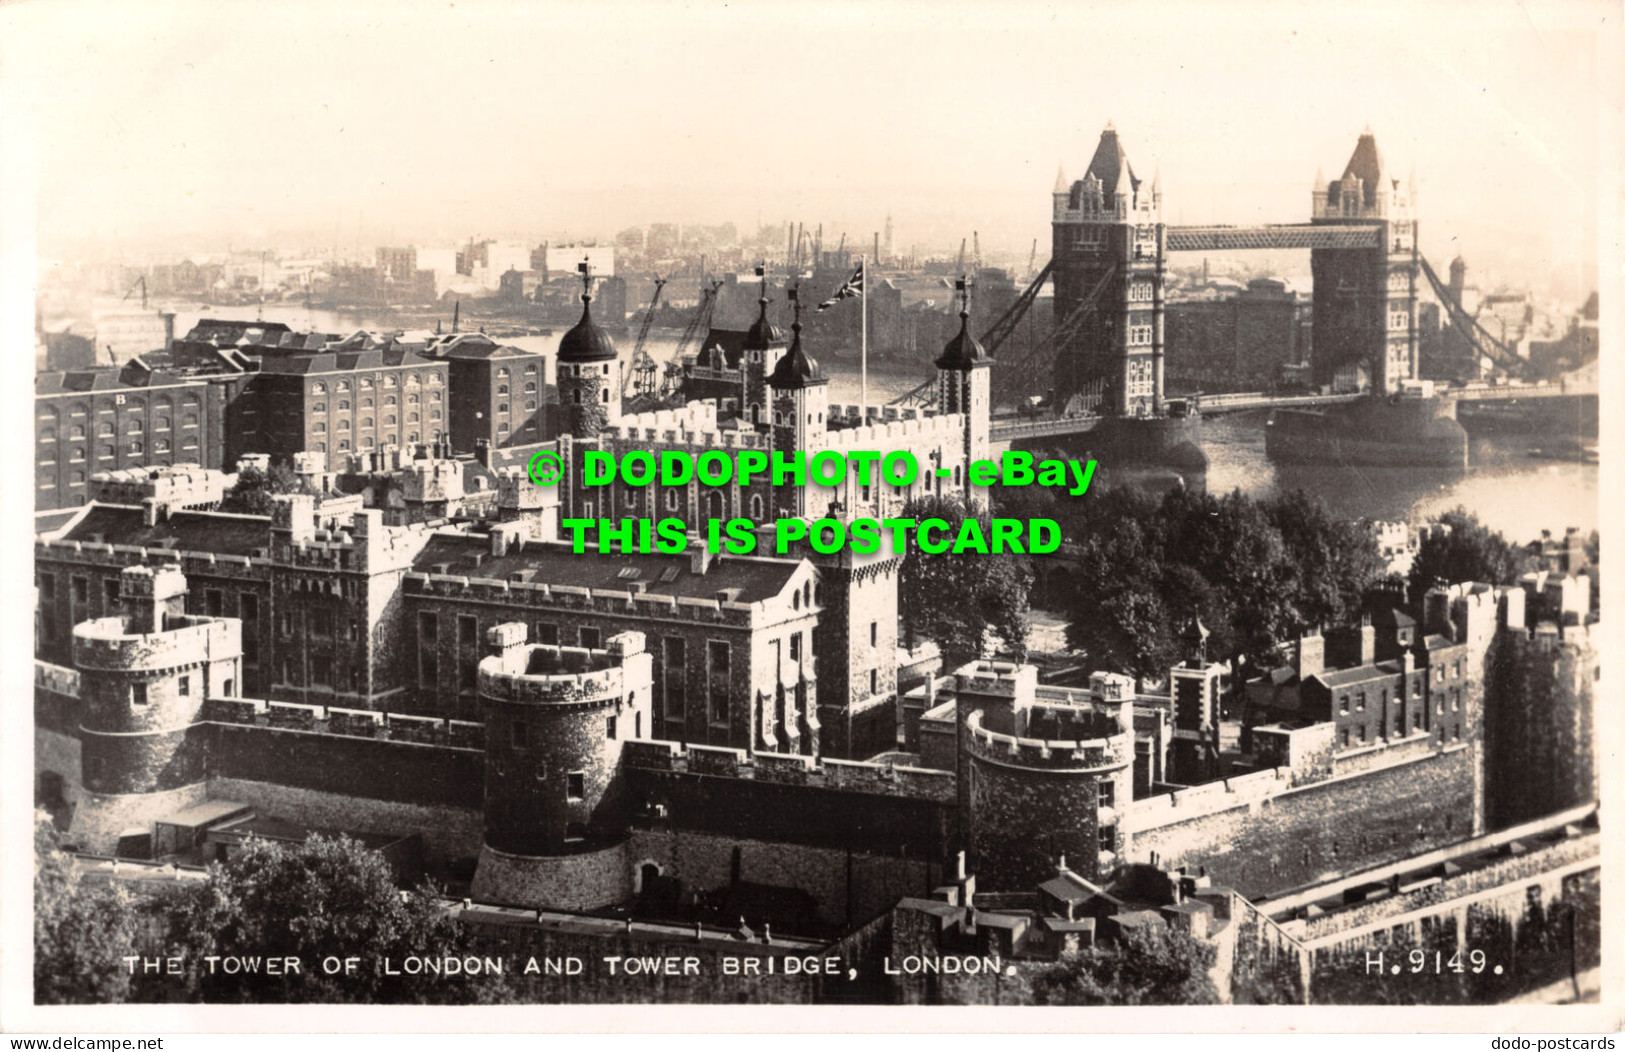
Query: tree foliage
[[254, 489], [1151, 965], [1254, 572], [323, 898], [82, 931], [1467, 551], [957, 600]]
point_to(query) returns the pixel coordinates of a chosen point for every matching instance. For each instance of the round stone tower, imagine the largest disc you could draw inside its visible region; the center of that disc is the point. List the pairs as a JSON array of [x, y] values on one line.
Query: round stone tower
[[1042, 777], [589, 378], [143, 678], [555, 815]]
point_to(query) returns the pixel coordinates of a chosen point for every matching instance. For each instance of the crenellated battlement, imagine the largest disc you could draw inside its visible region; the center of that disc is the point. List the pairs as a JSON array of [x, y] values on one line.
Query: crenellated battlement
[[351, 723], [539, 674], [1093, 755], [896, 433], [784, 769], [106, 644], [620, 603]]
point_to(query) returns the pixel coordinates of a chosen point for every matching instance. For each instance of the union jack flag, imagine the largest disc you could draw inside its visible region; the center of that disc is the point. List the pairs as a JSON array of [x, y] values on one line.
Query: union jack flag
[[853, 287]]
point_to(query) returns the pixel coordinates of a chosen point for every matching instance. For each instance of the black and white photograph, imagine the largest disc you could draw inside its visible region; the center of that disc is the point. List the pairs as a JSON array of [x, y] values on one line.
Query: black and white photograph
[[824, 506]]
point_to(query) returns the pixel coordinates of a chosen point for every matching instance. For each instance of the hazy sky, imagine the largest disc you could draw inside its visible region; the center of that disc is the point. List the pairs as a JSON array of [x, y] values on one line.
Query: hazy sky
[[308, 123]]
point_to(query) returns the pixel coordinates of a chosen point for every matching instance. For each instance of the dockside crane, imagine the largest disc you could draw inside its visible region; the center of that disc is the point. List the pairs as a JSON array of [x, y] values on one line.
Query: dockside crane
[[142, 281], [700, 323], [640, 379]]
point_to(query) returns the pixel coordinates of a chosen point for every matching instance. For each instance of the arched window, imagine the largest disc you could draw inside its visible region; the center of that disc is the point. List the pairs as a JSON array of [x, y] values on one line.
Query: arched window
[[320, 427], [530, 403], [106, 428], [502, 389], [319, 407], [366, 421], [161, 424], [344, 425], [344, 444], [136, 449], [671, 500], [502, 373], [134, 426], [318, 388], [189, 420], [389, 419], [366, 383], [366, 403], [502, 407], [756, 508], [605, 394], [343, 385], [530, 388], [48, 435], [411, 418], [344, 405], [78, 430], [160, 445]]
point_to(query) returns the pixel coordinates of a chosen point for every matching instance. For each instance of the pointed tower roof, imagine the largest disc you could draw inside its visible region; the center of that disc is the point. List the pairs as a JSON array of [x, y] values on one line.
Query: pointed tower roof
[[964, 352], [586, 342], [797, 368], [1110, 164], [762, 334], [1061, 185], [1366, 161], [1320, 180]]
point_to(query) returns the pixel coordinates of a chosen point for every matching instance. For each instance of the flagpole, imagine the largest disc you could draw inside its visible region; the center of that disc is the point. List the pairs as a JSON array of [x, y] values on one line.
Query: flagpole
[[863, 361]]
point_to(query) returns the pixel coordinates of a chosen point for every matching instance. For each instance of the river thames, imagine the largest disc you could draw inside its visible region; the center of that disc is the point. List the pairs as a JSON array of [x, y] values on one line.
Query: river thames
[[1505, 487]]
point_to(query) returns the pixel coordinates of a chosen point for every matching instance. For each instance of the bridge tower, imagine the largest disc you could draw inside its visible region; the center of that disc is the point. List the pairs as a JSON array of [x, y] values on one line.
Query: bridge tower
[[1108, 228], [1365, 299]]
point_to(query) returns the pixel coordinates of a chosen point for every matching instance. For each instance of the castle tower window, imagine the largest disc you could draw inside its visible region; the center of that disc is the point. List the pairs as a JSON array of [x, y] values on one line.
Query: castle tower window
[[228, 689], [547, 634], [874, 681], [609, 727], [519, 735], [674, 681], [592, 638], [138, 694], [605, 393], [575, 788], [874, 633], [718, 657], [428, 649], [321, 671]]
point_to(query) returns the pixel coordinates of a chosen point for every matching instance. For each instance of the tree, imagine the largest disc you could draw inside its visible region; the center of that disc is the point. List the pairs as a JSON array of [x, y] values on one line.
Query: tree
[[254, 489], [1334, 561], [1466, 551], [82, 931], [320, 899], [1254, 572], [957, 600], [1153, 965]]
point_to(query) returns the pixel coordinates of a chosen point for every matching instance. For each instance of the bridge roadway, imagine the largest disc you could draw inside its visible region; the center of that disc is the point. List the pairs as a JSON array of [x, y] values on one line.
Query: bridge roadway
[[1012, 427]]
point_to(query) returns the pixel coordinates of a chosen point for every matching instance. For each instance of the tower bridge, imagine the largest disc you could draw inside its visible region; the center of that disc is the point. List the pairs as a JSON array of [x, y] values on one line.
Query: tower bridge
[[1103, 365]]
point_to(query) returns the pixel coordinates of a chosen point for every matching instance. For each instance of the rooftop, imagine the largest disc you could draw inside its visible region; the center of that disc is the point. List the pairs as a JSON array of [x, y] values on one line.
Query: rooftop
[[755, 578], [220, 533]]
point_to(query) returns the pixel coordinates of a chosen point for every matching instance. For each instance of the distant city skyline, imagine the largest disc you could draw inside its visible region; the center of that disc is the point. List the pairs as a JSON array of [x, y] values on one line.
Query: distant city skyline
[[363, 125]]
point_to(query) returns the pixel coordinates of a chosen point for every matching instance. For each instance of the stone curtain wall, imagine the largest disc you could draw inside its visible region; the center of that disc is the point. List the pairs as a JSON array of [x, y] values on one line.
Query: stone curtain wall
[[1301, 835]]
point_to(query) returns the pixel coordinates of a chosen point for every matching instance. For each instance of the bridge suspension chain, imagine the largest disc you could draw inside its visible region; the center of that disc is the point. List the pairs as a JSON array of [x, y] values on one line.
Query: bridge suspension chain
[[992, 338], [1483, 343], [1015, 374]]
